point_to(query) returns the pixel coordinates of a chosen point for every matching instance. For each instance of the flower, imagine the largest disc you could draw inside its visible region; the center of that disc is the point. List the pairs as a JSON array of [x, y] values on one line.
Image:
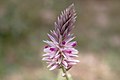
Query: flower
[[60, 51]]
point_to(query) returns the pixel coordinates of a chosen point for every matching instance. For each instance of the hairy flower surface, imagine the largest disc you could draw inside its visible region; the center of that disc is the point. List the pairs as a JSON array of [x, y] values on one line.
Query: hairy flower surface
[[60, 51]]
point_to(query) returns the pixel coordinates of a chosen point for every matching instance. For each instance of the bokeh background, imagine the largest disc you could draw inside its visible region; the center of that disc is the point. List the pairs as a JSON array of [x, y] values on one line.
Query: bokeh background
[[25, 23]]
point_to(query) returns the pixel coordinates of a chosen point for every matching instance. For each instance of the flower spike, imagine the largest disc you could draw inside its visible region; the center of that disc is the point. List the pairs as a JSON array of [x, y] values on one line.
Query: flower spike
[[60, 51]]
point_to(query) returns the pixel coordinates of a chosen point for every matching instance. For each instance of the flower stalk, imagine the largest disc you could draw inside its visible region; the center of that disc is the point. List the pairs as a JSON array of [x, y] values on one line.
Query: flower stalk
[[65, 73]]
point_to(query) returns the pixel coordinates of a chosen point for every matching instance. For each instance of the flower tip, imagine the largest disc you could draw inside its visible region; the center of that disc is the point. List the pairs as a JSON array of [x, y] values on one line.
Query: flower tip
[[72, 4]]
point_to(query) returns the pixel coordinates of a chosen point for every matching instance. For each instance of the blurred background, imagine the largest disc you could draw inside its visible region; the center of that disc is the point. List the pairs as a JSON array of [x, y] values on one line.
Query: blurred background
[[25, 23]]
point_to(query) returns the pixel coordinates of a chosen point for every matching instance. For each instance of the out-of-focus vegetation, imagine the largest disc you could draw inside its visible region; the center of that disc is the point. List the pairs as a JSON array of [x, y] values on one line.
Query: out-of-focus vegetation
[[25, 23]]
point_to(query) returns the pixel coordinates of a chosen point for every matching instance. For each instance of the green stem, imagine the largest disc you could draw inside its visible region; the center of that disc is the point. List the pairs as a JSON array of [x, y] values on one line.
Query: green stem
[[64, 71]]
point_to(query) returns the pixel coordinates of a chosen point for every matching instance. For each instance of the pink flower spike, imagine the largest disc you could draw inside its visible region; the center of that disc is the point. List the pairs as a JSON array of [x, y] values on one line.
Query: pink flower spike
[[60, 51]]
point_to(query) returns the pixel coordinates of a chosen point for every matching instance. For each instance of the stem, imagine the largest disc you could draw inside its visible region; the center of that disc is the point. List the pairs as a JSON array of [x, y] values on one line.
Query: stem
[[64, 71]]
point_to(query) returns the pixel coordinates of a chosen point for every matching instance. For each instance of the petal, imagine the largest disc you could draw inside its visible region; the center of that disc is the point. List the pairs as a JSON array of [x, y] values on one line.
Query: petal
[[69, 39], [70, 51], [72, 60], [72, 55], [65, 64], [47, 54], [74, 51], [53, 67], [47, 50], [46, 59], [52, 56], [59, 60], [64, 55], [50, 43], [71, 44], [72, 63], [50, 50], [52, 38], [57, 53], [57, 56], [50, 64]]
